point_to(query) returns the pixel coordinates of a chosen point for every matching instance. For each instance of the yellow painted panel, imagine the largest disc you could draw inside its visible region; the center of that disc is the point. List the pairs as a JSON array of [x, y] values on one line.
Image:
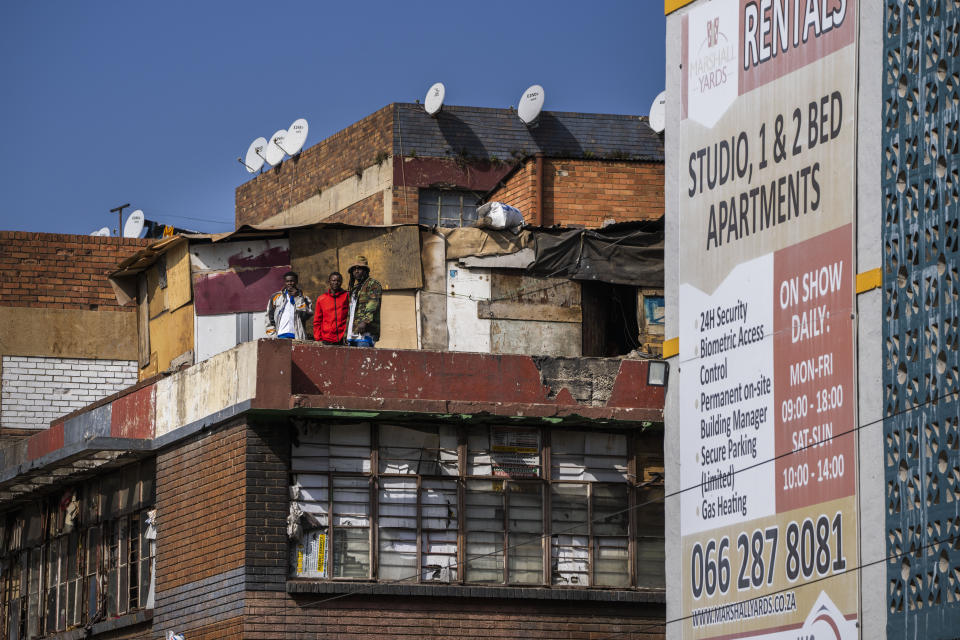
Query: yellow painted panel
[[670, 6], [398, 320], [156, 296], [171, 335], [178, 276], [68, 333], [671, 347], [869, 280]]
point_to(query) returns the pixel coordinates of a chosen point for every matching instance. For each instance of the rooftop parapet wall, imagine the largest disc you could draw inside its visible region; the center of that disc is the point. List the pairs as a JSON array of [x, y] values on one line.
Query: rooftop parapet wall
[[316, 168], [306, 379]]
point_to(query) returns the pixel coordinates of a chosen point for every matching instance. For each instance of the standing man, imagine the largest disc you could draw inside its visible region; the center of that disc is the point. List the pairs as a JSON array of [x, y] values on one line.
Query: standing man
[[288, 309], [333, 307], [363, 328]]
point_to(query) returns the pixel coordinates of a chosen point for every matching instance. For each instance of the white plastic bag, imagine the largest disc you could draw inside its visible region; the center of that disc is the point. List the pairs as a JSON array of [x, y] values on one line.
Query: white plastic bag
[[496, 215]]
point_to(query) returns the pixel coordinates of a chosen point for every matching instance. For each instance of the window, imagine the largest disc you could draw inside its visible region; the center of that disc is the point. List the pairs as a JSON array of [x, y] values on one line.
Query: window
[[448, 208], [491, 504], [84, 554]]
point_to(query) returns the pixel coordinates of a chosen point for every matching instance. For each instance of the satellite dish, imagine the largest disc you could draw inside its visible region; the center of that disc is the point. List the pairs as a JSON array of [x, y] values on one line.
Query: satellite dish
[[104, 231], [255, 157], [658, 113], [274, 148], [134, 225], [434, 100], [531, 104], [296, 136]]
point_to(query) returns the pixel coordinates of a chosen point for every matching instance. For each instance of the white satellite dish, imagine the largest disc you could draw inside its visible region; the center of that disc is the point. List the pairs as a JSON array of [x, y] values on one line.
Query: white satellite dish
[[255, 158], [296, 136], [103, 231], [134, 225], [531, 104], [434, 100], [658, 113], [274, 148]]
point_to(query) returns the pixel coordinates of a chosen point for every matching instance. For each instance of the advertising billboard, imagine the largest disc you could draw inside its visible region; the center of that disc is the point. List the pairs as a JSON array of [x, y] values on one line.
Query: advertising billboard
[[766, 271]]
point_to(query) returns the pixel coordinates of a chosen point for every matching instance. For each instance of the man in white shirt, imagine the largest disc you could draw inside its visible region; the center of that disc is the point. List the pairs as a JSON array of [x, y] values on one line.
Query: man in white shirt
[[288, 309]]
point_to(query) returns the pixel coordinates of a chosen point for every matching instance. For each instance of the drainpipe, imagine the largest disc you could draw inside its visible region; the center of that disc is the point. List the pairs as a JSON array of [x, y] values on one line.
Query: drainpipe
[[538, 194]]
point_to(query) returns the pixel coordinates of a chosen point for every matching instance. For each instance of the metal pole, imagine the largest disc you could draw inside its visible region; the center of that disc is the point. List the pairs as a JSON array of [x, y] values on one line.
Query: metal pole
[[119, 212]]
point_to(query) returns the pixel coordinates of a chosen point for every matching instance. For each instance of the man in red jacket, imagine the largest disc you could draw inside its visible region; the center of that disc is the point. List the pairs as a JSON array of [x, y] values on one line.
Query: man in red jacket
[[333, 309]]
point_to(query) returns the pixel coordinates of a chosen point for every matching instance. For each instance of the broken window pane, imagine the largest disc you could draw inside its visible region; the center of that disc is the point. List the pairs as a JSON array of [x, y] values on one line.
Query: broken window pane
[[588, 456], [438, 512], [426, 451], [569, 551]]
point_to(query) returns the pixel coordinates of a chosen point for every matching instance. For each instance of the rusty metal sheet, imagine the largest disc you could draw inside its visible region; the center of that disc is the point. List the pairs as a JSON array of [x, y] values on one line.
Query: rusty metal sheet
[[313, 255], [178, 291], [471, 241], [433, 296], [133, 414], [392, 252]]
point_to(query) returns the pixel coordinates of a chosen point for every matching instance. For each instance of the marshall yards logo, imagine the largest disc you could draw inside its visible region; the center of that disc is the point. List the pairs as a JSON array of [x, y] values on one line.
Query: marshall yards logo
[[712, 73], [713, 32], [715, 58]]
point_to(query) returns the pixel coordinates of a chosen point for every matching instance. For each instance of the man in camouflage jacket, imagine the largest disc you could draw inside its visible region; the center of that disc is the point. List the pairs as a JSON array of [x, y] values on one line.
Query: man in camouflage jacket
[[363, 328]]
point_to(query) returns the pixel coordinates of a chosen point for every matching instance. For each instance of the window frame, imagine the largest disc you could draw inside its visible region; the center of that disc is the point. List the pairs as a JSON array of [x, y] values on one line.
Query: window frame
[[424, 205], [466, 464], [57, 569]]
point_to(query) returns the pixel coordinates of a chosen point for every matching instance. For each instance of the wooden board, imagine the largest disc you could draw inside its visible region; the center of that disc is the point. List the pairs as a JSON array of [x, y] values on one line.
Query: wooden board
[[178, 292], [393, 254], [398, 320], [171, 335]]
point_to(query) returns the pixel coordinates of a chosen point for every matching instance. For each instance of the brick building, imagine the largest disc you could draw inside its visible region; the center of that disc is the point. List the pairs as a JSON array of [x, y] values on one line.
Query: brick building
[[280, 489], [65, 340], [400, 165], [273, 489]]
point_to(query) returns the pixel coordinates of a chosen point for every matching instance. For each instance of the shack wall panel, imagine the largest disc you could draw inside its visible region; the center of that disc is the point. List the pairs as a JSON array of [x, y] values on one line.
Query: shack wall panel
[[398, 320], [535, 338], [465, 287]]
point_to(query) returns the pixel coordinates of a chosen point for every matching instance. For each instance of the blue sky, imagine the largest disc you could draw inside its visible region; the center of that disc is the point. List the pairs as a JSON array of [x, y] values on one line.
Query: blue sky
[[151, 103]]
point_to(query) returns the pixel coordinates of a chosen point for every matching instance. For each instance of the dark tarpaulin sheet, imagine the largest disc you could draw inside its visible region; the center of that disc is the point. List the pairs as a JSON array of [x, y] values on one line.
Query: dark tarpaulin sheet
[[628, 253]]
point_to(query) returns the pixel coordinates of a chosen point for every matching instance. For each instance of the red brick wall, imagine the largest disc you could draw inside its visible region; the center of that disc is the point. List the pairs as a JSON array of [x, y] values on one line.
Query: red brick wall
[[588, 192], [318, 167], [519, 190], [200, 505], [276, 616], [406, 205], [61, 271]]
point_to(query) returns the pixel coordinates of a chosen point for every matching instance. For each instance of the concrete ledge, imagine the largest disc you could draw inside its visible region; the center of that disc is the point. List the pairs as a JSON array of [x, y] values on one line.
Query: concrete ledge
[[652, 596], [129, 620]]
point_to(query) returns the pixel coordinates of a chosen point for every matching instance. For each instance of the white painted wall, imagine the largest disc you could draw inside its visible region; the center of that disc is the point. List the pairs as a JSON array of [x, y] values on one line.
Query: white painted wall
[[216, 256], [216, 334], [465, 287]]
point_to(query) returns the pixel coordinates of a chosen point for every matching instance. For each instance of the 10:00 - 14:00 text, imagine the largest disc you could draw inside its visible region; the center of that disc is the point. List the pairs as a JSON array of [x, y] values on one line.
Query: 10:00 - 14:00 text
[[813, 548]]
